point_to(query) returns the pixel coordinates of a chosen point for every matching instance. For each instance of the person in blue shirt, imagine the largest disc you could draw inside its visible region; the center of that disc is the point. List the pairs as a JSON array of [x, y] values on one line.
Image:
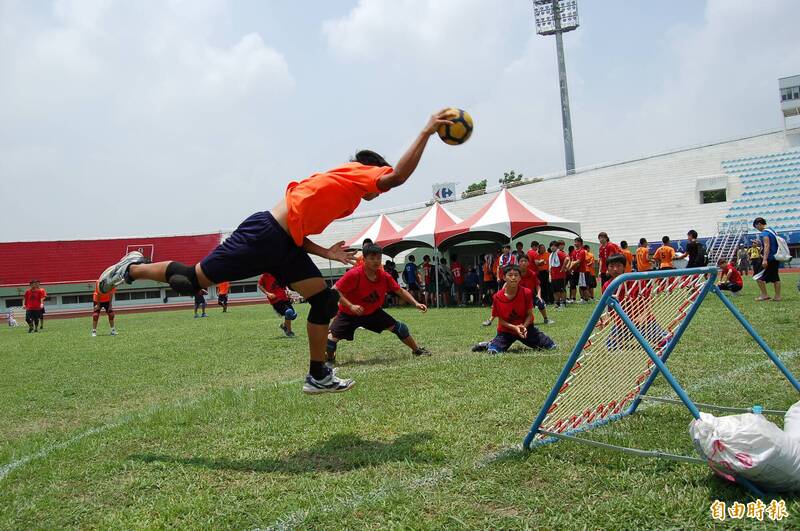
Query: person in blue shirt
[[768, 262], [472, 282], [411, 277]]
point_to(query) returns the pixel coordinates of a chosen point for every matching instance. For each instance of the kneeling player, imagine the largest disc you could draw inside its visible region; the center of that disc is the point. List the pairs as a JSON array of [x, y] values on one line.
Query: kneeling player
[[731, 279], [513, 307], [102, 301], [277, 297], [361, 294]]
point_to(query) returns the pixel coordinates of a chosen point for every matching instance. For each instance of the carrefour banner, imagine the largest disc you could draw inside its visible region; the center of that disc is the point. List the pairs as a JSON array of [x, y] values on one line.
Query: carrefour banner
[[444, 191]]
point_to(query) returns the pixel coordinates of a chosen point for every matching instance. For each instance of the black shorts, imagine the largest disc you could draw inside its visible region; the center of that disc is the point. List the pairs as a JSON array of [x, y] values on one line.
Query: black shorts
[[257, 246], [280, 307], [730, 286], [222, 299], [559, 285], [344, 325], [573, 280], [103, 306], [33, 315], [490, 285], [771, 272], [534, 339], [591, 281], [755, 263], [199, 300]]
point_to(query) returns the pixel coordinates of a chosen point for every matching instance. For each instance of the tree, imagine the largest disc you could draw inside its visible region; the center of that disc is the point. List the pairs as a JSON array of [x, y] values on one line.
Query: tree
[[510, 177], [478, 186]]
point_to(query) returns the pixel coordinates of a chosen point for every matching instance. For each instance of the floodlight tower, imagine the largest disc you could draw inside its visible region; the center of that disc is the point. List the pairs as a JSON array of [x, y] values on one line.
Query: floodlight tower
[[554, 17]]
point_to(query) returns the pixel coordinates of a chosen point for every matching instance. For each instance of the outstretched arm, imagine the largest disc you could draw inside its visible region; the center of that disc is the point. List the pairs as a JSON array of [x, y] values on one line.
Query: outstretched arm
[[337, 251], [408, 162], [406, 296]]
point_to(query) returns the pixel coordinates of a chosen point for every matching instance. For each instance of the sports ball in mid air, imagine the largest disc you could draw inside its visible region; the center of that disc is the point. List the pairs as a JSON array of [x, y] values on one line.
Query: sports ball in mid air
[[460, 131]]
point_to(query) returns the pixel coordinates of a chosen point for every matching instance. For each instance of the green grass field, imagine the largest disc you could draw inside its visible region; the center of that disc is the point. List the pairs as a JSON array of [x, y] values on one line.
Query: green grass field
[[201, 423]]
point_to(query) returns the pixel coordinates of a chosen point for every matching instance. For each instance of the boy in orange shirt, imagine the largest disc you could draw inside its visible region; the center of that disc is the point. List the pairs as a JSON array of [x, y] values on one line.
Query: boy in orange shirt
[[628, 256], [276, 242], [665, 254], [102, 301], [591, 278], [223, 288], [643, 261]]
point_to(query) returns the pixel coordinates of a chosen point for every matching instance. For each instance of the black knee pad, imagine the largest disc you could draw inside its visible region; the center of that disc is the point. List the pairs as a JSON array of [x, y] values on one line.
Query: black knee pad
[[182, 278], [324, 306], [330, 348]]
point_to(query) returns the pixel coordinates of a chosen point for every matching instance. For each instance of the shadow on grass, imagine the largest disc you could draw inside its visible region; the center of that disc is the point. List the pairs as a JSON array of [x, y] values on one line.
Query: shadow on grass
[[365, 362], [340, 453]]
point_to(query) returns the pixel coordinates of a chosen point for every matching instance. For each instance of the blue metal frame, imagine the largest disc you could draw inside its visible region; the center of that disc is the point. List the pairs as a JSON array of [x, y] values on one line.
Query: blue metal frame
[[660, 362]]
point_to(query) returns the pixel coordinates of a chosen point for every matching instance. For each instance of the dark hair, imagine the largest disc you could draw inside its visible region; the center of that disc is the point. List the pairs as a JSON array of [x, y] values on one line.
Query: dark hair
[[721, 261], [623, 244], [587, 248], [506, 245], [371, 249], [411, 258], [759, 220], [443, 260], [367, 241], [511, 267], [534, 243], [578, 239], [603, 235], [665, 240], [642, 241], [453, 257], [692, 233], [570, 248], [32, 282], [524, 257], [369, 158], [616, 259], [426, 257]]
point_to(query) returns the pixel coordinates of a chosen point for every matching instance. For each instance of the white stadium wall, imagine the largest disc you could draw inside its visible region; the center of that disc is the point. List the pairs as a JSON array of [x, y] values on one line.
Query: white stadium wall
[[649, 197]]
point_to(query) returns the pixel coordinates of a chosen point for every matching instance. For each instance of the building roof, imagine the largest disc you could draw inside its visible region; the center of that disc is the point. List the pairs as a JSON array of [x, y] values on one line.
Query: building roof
[[84, 260]]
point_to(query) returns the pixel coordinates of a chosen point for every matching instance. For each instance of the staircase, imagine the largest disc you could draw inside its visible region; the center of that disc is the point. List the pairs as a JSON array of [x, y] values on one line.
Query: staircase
[[724, 245]]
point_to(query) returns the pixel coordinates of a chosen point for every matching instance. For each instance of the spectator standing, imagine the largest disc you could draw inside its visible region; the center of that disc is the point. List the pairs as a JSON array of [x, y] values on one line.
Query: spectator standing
[[768, 262], [754, 253], [742, 260]]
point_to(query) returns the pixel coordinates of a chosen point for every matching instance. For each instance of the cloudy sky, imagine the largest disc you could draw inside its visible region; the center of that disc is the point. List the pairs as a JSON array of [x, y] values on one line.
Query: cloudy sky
[[158, 117]]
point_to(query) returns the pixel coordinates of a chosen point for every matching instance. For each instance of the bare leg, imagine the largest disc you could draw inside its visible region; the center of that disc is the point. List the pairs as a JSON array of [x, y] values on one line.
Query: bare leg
[[763, 287], [777, 286], [111, 320], [410, 343], [317, 333]]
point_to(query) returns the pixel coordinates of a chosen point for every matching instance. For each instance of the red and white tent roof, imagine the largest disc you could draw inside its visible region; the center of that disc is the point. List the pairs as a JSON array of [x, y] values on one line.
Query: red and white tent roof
[[505, 217], [382, 229], [425, 231]]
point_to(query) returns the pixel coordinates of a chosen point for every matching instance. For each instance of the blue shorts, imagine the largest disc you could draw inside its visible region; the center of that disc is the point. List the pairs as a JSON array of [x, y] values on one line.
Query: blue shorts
[[259, 245]]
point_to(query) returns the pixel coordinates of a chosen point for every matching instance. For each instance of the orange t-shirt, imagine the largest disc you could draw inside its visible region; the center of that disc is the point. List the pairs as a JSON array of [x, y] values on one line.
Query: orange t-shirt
[[642, 260], [546, 257], [590, 263], [98, 296], [315, 202], [223, 288], [664, 255], [628, 260]]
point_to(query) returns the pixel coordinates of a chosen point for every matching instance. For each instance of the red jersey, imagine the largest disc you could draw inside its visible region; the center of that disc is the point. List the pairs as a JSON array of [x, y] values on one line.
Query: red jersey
[[223, 288], [733, 275], [513, 311], [559, 273], [609, 249], [458, 273], [357, 288], [34, 298], [270, 284], [530, 280], [315, 202], [580, 259], [99, 296], [533, 256]]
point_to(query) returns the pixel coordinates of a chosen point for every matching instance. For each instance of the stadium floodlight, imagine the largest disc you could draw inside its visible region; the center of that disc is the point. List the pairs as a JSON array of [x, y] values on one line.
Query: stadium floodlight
[[554, 17]]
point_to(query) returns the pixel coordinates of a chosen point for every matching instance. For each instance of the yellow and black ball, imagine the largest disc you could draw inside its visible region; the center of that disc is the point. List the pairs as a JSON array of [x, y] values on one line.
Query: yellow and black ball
[[461, 129]]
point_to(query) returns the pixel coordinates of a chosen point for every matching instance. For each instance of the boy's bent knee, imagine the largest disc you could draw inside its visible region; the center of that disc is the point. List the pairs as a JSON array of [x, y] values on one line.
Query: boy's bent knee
[[324, 306]]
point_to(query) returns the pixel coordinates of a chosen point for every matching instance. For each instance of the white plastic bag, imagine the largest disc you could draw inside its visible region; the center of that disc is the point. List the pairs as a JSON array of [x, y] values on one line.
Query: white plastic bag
[[791, 422], [750, 446]]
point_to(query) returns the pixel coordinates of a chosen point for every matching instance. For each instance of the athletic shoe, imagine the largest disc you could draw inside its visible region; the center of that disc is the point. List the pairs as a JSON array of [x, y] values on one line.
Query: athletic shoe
[[30, 330], [549, 321], [580, 302], [480, 347], [330, 384], [487, 322], [422, 351], [118, 273], [286, 331], [204, 315], [196, 316], [289, 334], [94, 333], [113, 332]]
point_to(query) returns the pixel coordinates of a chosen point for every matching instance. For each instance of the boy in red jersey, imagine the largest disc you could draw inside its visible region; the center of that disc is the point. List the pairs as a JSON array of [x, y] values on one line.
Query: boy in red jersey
[[33, 299], [559, 271], [530, 279], [578, 265], [277, 242], [102, 301], [513, 307], [277, 297], [607, 248], [457, 270], [362, 291], [223, 288], [731, 279]]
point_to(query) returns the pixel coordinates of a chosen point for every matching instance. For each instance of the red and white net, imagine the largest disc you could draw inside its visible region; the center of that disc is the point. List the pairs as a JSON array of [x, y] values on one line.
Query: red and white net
[[612, 368]]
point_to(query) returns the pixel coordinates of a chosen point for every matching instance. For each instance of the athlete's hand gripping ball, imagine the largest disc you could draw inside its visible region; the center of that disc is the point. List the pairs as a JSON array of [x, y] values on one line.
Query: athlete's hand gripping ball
[[421, 307], [459, 128]]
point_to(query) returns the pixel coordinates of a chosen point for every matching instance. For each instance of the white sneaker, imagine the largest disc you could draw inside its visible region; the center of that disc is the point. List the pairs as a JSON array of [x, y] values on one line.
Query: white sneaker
[[549, 321], [487, 322], [94, 333], [329, 384], [118, 273], [113, 331]]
